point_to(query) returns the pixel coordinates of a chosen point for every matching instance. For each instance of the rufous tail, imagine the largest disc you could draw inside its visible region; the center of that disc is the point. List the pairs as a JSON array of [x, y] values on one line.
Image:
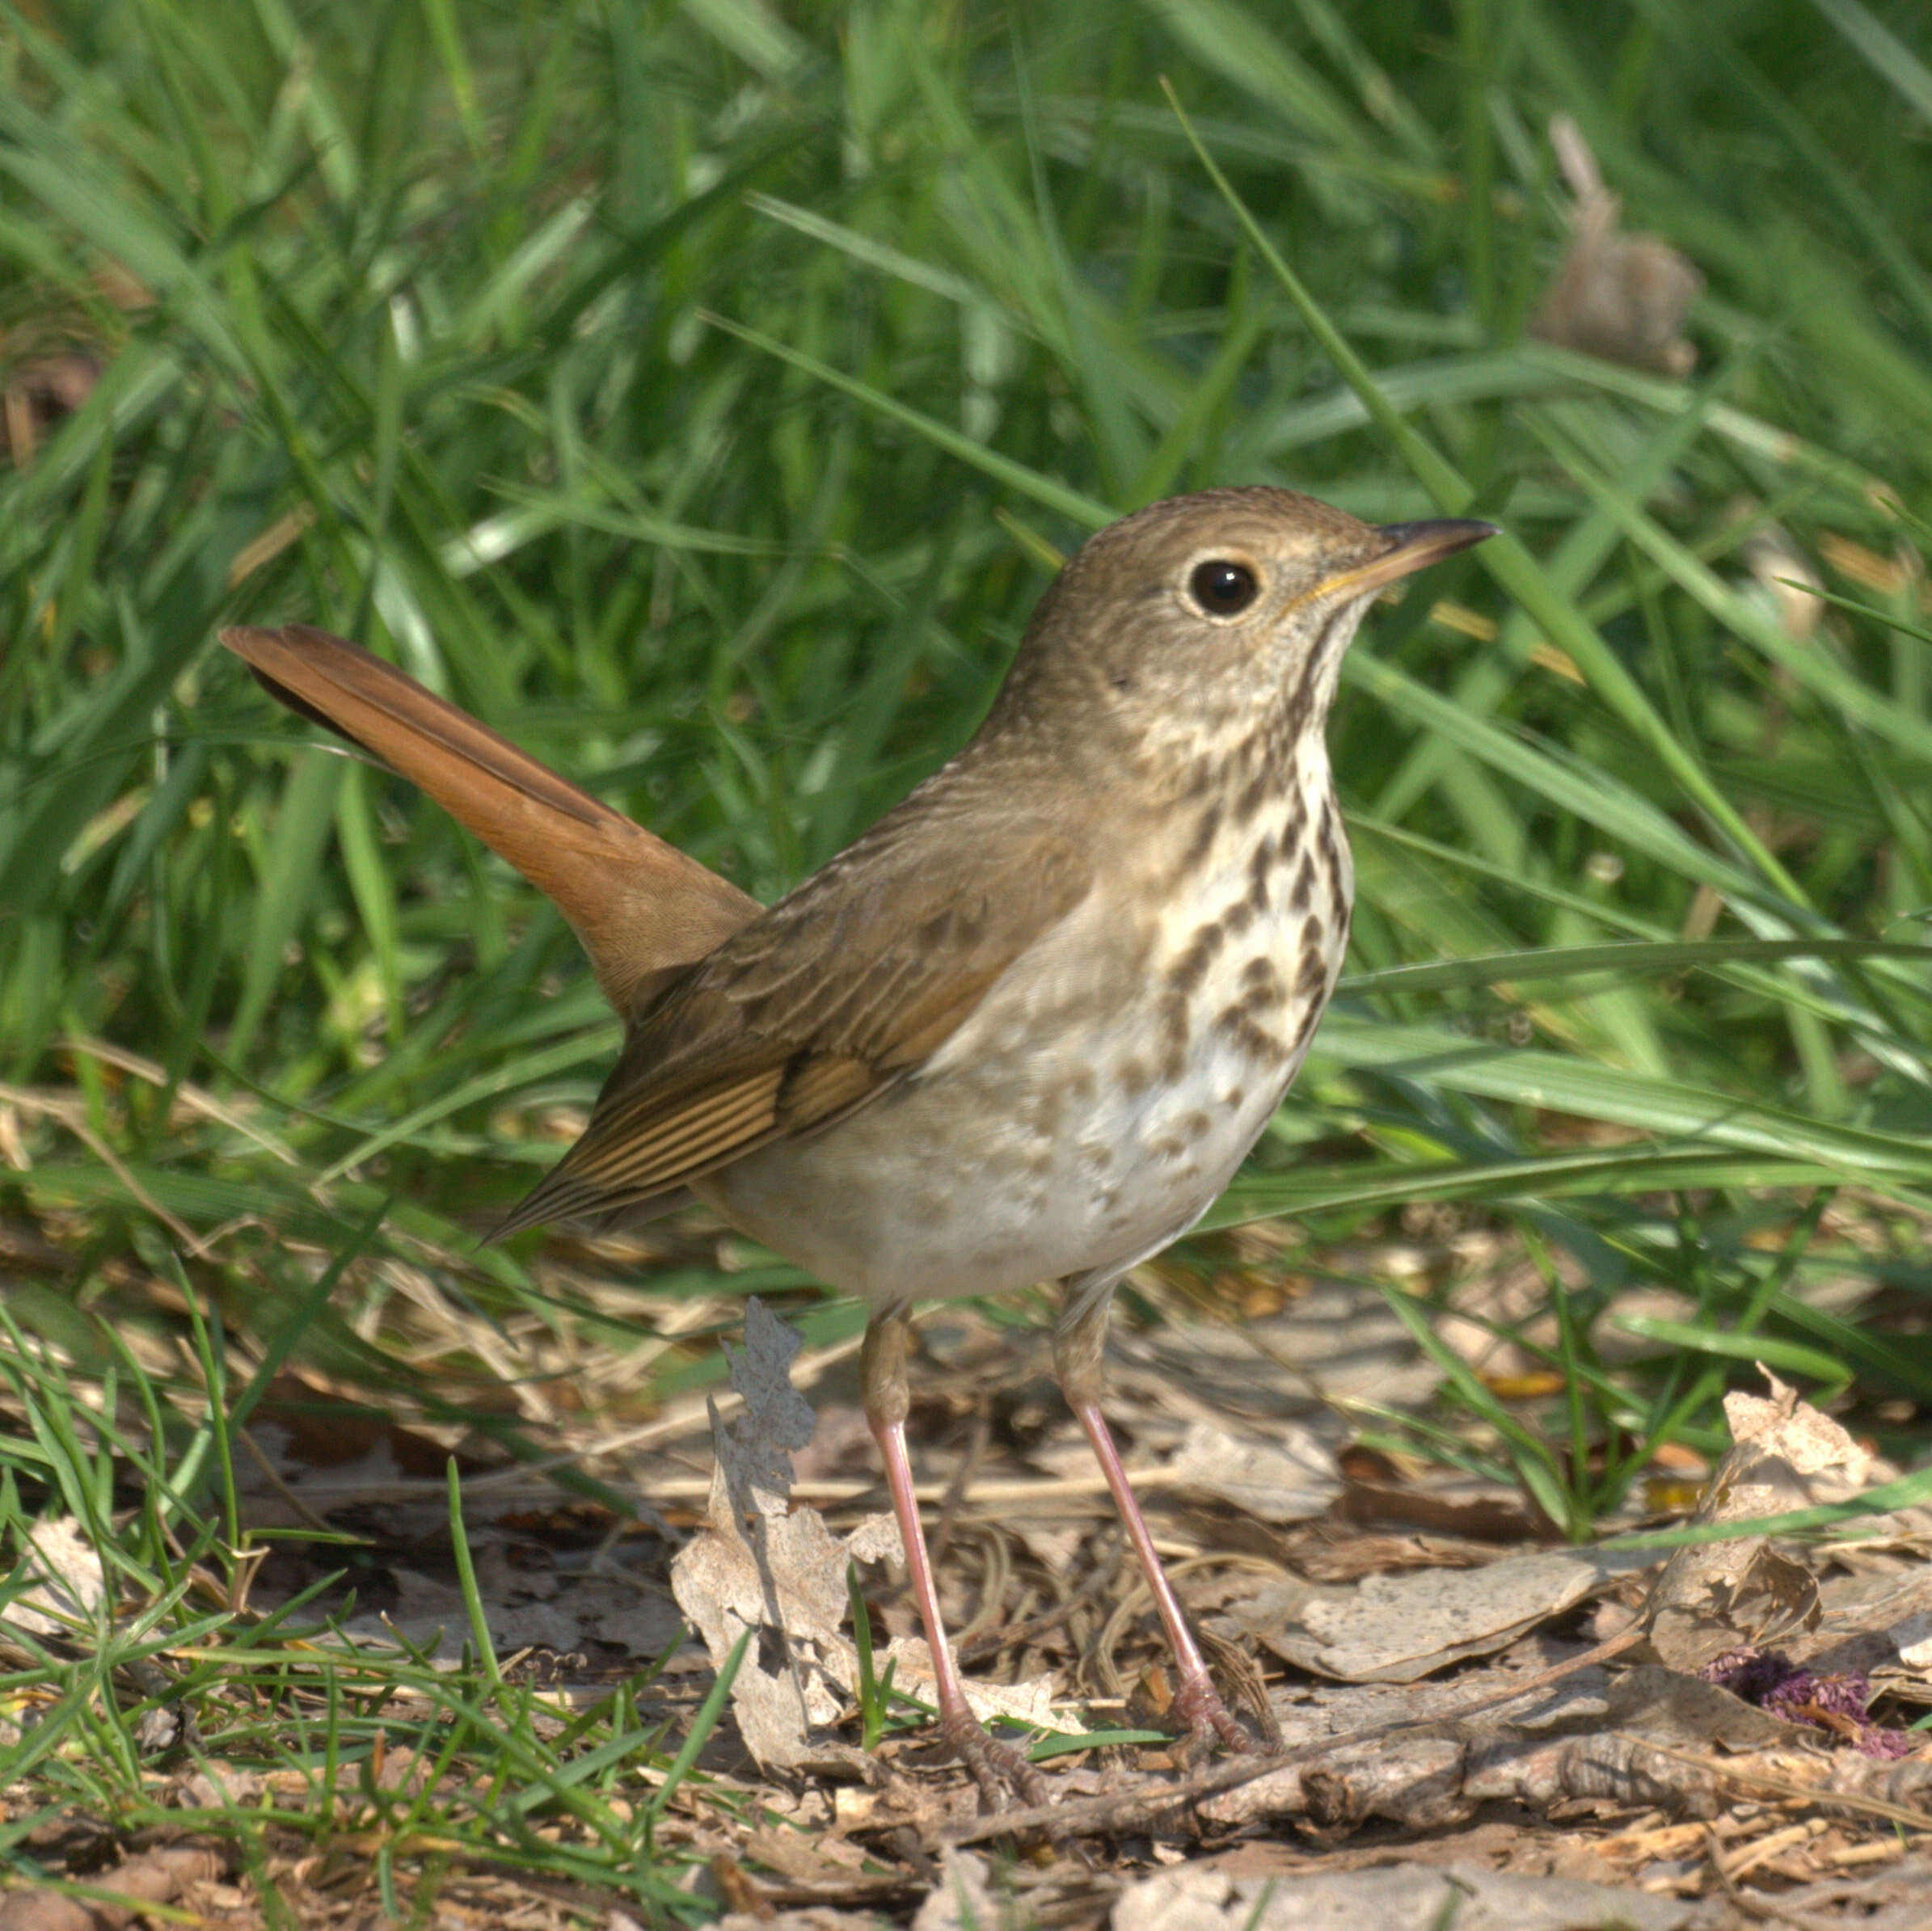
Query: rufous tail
[[641, 906]]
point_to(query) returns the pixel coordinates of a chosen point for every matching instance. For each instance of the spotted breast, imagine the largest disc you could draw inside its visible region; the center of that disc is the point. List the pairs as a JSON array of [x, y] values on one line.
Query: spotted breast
[[1093, 1107]]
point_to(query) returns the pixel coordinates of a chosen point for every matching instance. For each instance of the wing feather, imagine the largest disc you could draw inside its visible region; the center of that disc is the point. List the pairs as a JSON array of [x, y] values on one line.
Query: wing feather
[[824, 1002], [609, 1170]]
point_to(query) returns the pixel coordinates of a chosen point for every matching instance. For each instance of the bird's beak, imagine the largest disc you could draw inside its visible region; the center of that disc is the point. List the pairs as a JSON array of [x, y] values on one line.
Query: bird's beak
[[1410, 546]]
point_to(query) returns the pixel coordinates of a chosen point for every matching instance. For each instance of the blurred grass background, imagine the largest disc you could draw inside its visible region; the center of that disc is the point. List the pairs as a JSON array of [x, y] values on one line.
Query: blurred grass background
[[699, 393]]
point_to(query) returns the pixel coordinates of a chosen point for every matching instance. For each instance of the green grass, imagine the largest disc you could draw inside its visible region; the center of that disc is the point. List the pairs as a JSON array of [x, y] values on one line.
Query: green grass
[[698, 393], [374, 1756]]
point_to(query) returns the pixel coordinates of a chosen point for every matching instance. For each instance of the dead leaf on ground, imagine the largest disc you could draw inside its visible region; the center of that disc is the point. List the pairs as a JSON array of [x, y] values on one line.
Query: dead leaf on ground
[[1393, 1897], [1393, 1629], [756, 1567], [1714, 1596], [67, 1586], [1288, 1478], [761, 1564], [1621, 297], [967, 1898], [1879, 1624], [162, 1876], [1335, 1342]]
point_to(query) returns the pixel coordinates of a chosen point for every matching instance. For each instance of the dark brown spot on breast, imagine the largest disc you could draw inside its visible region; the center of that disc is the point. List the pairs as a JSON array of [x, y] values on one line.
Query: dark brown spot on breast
[[1262, 996], [1187, 971], [1200, 845], [1256, 792], [1257, 1042], [1311, 982], [1132, 1077], [1261, 865], [1302, 895], [1329, 835]]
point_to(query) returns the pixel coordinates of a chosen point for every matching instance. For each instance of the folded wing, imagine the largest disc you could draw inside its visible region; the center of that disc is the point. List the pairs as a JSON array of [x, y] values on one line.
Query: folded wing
[[839, 992]]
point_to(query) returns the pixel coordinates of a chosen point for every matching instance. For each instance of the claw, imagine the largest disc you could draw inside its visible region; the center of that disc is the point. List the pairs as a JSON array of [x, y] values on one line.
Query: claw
[[1000, 1771], [1209, 1720]]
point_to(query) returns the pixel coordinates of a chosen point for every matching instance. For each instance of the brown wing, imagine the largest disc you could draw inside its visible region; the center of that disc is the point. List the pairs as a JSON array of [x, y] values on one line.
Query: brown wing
[[642, 907], [840, 990]]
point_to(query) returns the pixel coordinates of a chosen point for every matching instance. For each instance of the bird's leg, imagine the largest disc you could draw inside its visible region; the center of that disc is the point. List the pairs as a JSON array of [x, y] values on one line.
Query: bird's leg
[[1078, 1342], [997, 1769]]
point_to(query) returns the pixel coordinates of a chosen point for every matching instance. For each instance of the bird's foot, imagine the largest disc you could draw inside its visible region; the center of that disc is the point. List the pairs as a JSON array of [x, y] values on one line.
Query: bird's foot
[[1000, 1771], [1209, 1720]]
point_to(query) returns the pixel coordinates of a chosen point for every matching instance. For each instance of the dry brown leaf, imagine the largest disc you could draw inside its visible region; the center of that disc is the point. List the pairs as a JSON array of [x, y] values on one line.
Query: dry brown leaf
[[761, 1564], [753, 1566], [968, 1898], [68, 1587], [1621, 297], [1393, 1629], [1396, 1897], [1714, 1596], [1877, 1623], [159, 1876], [1289, 1476]]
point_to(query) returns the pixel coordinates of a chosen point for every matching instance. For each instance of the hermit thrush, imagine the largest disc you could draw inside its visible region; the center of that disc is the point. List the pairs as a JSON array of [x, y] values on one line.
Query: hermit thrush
[[1027, 1026]]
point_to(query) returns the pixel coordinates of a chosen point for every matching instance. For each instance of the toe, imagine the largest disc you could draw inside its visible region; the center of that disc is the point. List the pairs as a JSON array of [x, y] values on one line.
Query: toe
[[1210, 1722], [999, 1770]]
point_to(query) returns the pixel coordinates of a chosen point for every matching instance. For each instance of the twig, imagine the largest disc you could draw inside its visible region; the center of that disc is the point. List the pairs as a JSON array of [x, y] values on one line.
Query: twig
[[1138, 1808], [1785, 1786]]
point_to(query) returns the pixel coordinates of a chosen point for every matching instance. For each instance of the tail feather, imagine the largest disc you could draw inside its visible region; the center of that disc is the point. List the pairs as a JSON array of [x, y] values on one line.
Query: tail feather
[[642, 909]]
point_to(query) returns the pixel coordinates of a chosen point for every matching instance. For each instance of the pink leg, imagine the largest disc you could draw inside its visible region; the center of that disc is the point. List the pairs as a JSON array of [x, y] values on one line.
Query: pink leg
[[1077, 1351], [996, 1768]]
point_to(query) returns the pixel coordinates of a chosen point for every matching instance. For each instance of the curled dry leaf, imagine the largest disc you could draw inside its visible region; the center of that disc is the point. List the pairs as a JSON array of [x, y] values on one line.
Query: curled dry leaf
[[756, 1566], [1913, 1635], [759, 1563], [1636, 1742], [1716, 1596], [754, 1457], [967, 1897], [160, 1876], [1621, 297], [1333, 1342], [1878, 1623], [1288, 1478]]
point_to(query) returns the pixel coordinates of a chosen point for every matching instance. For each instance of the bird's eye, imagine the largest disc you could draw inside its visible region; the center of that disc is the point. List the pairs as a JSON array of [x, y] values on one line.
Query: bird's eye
[[1223, 589]]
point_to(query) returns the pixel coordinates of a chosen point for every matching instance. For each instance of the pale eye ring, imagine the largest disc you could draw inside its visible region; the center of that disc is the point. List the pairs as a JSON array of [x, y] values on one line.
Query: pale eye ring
[[1222, 587]]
